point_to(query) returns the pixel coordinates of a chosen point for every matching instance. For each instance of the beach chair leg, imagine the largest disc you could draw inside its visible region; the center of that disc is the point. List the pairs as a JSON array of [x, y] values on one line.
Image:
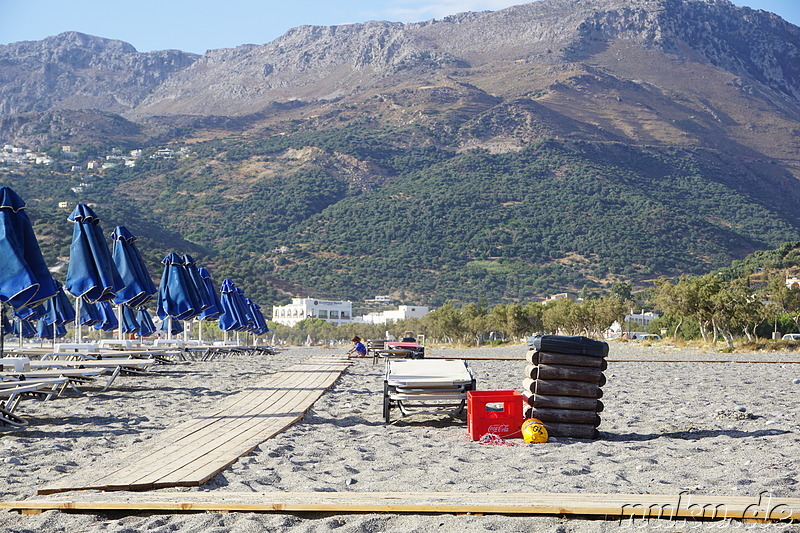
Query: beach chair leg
[[387, 403], [10, 419], [111, 378]]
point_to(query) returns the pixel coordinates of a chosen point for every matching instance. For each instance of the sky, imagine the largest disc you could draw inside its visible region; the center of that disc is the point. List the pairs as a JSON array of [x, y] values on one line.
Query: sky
[[200, 25]]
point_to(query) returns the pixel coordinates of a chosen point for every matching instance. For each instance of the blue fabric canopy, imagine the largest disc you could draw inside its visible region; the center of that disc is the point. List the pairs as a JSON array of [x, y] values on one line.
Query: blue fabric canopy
[[30, 313], [138, 287], [205, 299], [146, 326], [175, 326], [28, 332], [90, 315], [177, 293], [234, 316], [91, 272], [212, 312], [259, 326], [59, 308], [109, 320], [130, 323], [24, 277], [49, 331]]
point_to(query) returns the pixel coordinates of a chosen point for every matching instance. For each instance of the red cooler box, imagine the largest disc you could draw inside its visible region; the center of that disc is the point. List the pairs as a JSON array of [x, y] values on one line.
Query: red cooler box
[[484, 414]]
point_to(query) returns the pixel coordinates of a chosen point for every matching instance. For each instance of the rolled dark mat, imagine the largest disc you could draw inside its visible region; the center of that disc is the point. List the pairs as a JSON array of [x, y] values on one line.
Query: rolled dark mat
[[570, 345], [562, 387], [574, 373], [563, 402], [564, 416], [576, 431], [535, 357]]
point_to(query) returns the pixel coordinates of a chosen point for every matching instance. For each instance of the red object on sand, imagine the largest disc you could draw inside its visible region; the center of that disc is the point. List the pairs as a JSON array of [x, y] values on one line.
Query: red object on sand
[[506, 423]]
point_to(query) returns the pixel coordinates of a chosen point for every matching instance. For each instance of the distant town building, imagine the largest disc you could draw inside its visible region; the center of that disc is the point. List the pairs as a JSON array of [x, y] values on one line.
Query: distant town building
[[381, 299], [559, 296], [403, 312], [793, 283], [334, 311], [643, 319]]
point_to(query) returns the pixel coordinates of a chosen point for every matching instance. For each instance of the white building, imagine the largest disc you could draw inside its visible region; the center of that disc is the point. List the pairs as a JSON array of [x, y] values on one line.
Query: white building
[[335, 311], [403, 312], [643, 319]]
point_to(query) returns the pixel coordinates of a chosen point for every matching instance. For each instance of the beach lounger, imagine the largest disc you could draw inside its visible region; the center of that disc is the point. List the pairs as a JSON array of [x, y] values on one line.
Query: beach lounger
[[59, 378], [114, 367], [418, 386], [11, 396]]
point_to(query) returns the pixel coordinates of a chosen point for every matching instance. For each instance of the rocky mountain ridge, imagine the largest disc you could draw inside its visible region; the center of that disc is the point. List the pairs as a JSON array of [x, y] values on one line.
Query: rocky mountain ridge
[[76, 71], [662, 135]]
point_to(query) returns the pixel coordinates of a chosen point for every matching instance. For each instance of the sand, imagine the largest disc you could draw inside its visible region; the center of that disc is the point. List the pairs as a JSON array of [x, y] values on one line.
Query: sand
[[708, 428]]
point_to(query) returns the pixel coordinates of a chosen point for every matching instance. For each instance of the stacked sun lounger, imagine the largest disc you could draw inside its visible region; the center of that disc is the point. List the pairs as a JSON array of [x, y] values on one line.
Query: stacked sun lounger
[[563, 384], [426, 386]]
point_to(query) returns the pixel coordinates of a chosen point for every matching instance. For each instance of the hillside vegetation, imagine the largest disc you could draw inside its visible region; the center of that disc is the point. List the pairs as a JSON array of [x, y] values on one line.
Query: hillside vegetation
[[606, 141]]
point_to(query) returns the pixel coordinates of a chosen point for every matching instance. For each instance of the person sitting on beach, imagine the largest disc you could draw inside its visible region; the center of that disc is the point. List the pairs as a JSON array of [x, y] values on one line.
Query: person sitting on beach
[[358, 346]]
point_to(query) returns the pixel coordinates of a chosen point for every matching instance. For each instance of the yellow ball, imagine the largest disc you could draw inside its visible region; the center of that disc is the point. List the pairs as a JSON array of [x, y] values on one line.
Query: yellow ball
[[533, 431]]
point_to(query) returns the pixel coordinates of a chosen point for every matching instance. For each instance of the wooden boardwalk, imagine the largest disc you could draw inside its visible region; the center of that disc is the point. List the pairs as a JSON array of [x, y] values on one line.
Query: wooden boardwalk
[[195, 451], [633, 507]]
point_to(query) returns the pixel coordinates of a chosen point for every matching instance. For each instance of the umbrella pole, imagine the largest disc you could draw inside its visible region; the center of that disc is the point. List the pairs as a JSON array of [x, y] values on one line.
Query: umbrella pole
[[200, 331], [119, 319], [77, 319], [2, 328], [169, 328]]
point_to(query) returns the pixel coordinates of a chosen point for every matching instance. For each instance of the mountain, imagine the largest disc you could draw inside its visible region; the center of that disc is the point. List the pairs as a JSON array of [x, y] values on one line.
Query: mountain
[[556, 145]]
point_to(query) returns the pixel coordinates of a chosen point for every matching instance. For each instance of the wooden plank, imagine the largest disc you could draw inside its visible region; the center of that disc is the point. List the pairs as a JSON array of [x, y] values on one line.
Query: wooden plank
[[186, 448], [166, 450], [170, 450], [624, 506], [228, 454], [229, 443], [198, 449]]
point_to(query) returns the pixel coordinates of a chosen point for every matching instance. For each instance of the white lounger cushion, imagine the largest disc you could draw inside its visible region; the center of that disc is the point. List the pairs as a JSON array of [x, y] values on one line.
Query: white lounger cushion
[[428, 373]]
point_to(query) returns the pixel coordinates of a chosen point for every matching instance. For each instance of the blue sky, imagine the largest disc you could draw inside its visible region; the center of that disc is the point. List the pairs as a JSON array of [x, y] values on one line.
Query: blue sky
[[201, 25]]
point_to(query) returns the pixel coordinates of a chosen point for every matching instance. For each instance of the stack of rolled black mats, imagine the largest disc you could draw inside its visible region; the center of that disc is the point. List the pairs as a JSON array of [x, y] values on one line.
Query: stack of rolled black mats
[[563, 384]]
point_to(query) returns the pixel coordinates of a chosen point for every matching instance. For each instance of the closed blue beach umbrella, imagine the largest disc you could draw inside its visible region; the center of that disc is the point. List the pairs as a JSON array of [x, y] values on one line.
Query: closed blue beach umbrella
[[171, 326], [138, 287], [205, 299], [130, 323], [177, 295], [234, 316], [109, 321], [43, 329], [146, 326], [59, 308], [212, 312], [92, 272], [259, 324], [90, 314], [24, 277], [28, 331], [49, 331]]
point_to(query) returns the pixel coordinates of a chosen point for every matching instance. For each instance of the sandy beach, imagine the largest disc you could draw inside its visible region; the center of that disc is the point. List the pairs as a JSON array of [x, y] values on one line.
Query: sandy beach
[[707, 428]]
